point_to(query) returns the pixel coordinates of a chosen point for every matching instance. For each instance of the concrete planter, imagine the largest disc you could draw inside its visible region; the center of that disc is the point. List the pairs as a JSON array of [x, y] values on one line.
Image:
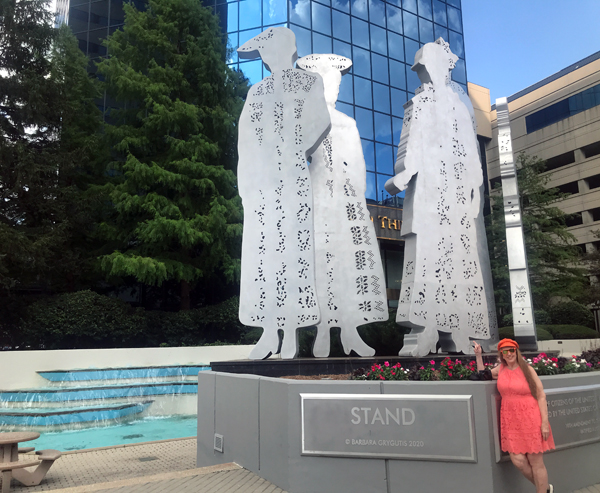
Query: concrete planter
[[257, 422]]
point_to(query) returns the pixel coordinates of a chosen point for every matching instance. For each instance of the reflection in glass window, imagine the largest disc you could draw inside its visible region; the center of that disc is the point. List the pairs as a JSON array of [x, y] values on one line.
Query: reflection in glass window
[[410, 5], [232, 39], [95, 48], [440, 32], [378, 40], [380, 68], [397, 74], [325, 2], [459, 74], [425, 9], [341, 26], [385, 158], [246, 35], [343, 5], [454, 19], [364, 121], [439, 13], [377, 12], [383, 128], [411, 26], [347, 109], [395, 46], [78, 18], [362, 92], [359, 9], [412, 80], [371, 187], [456, 44], [362, 62], [321, 44], [249, 14], [299, 12], [346, 90], [232, 17], [369, 153], [117, 16], [321, 19], [394, 19], [397, 129], [99, 15], [302, 40], [455, 3], [381, 191], [425, 31], [274, 11], [411, 47], [342, 49], [252, 70], [360, 33], [381, 97], [398, 100]]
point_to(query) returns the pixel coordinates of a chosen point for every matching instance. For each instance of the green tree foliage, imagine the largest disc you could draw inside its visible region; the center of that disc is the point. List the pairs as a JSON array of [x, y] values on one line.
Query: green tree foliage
[[551, 254], [47, 135], [176, 212]]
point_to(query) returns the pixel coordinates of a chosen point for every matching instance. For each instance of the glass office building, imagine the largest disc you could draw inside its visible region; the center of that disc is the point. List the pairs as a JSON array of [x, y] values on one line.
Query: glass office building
[[381, 38]]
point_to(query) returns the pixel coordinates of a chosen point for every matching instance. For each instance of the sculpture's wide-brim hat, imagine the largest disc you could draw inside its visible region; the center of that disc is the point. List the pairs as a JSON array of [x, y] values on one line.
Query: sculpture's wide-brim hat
[[507, 343], [322, 62]]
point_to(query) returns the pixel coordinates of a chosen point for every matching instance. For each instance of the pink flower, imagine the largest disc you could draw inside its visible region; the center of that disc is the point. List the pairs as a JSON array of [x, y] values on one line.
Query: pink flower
[[393, 372], [422, 368], [589, 364], [449, 373], [381, 377], [432, 362], [387, 363]]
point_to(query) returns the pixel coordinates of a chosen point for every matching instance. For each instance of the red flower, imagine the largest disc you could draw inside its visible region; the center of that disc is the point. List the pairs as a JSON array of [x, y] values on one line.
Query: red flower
[[554, 360], [381, 377], [449, 374], [387, 363]]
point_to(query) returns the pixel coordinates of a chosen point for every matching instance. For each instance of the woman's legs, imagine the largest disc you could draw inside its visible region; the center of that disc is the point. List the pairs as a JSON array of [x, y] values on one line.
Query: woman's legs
[[540, 475], [522, 464]]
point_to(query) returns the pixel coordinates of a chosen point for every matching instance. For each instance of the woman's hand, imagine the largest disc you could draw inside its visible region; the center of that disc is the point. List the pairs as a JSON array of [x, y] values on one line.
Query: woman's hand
[[545, 430], [477, 348]]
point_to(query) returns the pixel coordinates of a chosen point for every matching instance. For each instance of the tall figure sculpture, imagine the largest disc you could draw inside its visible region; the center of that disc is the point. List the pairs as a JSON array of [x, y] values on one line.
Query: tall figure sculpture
[[350, 282], [446, 292], [284, 120]]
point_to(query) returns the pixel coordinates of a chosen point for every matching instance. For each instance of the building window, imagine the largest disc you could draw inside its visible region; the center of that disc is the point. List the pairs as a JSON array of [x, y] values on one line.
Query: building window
[[591, 150], [563, 109], [575, 219], [569, 188], [560, 161]]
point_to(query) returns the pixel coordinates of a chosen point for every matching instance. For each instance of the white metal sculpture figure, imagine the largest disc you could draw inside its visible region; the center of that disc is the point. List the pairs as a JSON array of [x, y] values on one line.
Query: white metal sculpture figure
[[284, 120], [522, 304], [350, 282], [446, 289]]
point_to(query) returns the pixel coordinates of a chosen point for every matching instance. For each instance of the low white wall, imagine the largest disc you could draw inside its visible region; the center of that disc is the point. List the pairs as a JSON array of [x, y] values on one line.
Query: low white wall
[[569, 347], [18, 368]]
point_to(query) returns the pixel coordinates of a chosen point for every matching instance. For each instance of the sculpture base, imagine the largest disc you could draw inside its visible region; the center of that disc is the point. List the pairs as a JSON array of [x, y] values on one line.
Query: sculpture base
[[336, 366]]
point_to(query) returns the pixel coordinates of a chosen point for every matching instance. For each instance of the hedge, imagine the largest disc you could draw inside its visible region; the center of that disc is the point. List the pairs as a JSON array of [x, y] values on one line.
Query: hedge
[[571, 313], [549, 332], [509, 333]]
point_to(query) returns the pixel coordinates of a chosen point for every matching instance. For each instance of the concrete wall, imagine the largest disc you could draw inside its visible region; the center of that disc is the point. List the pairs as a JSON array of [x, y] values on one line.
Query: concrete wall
[[260, 420], [18, 368], [569, 347]]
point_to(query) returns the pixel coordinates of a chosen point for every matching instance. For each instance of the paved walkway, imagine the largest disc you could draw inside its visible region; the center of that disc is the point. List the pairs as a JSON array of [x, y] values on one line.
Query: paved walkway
[[165, 466], [157, 467]]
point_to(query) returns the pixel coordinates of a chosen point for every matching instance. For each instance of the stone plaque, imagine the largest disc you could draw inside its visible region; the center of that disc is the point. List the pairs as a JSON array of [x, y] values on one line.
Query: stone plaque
[[574, 415], [392, 426]]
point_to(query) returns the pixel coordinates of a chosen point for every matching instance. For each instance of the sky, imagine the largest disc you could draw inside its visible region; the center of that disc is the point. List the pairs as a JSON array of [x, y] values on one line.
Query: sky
[[512, 44]]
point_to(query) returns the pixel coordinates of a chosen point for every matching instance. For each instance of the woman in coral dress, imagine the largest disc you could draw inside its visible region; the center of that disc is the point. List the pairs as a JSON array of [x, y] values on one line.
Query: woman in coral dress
[[524, 428]]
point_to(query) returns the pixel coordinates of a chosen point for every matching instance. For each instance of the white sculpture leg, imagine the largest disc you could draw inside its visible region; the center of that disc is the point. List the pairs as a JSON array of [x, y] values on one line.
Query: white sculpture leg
[[267, 345], [289, 348], [419, 342], [351, 341], [322, 344]]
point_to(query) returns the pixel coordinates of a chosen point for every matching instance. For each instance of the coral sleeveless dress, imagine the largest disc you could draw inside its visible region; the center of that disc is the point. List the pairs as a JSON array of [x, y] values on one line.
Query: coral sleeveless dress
[[520, 419]]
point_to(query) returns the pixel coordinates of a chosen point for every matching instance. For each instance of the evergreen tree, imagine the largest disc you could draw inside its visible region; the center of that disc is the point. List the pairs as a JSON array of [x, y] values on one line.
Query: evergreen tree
[[176, 212], [47, 133], [554, 260]]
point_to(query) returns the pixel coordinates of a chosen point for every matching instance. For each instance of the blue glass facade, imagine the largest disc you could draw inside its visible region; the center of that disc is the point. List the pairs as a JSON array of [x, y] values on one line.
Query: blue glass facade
[[380, 37]]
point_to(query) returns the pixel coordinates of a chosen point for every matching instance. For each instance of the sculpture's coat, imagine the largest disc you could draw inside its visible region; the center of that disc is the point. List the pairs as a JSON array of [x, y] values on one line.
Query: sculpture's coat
[[350, 279], [446, 289]]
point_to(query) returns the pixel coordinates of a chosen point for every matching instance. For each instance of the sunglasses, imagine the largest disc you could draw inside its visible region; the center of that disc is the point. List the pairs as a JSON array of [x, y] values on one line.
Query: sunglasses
[[509, 350]]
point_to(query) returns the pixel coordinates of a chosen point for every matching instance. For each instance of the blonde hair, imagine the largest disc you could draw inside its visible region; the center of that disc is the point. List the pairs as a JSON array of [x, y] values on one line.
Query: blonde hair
[[525, 368]]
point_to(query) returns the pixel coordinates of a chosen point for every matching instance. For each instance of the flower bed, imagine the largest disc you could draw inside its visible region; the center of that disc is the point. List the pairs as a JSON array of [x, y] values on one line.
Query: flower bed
[[449, 369]]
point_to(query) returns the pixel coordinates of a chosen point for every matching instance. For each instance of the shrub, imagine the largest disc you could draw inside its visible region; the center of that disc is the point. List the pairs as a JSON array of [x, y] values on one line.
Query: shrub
[[541, 318], [571, 332], [541, 331], [571, 312], [592, 356], [82, 320]]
